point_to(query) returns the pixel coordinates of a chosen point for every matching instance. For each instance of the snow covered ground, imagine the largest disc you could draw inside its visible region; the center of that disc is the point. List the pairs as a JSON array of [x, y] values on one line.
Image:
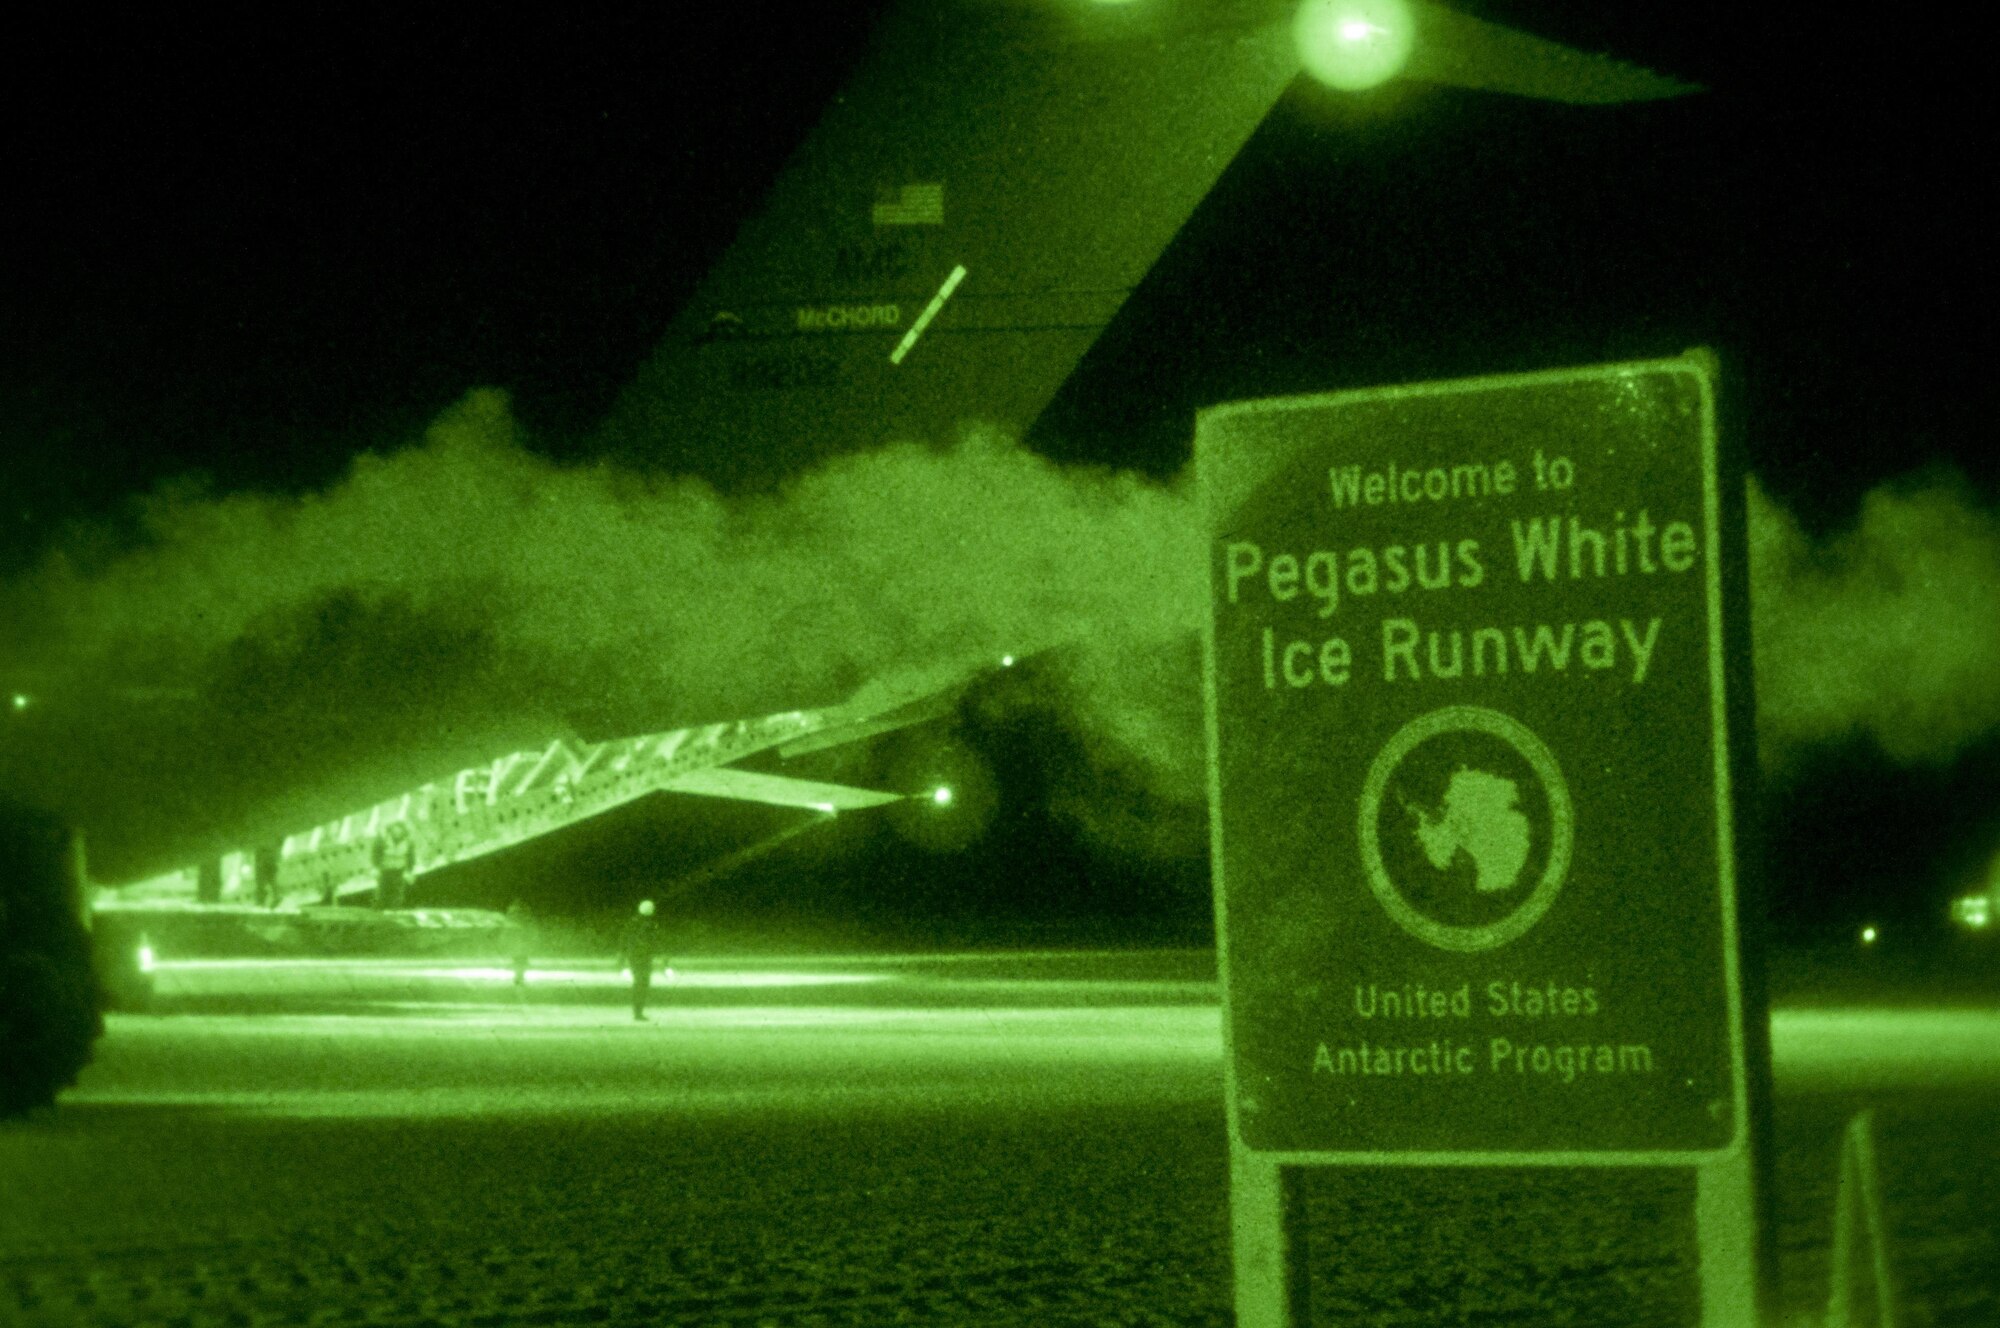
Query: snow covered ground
[[1033, 1142]]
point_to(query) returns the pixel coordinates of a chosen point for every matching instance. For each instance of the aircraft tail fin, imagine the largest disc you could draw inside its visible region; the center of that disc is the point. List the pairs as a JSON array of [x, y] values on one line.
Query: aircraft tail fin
[[952, 237]]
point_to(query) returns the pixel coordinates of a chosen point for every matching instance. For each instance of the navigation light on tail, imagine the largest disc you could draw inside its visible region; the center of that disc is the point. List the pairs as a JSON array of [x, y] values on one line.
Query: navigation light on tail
[[1354, 44]]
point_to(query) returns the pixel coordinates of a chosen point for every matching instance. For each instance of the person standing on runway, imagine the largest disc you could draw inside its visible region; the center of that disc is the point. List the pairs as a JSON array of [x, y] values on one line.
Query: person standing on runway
[[637, 946], [395, 857]]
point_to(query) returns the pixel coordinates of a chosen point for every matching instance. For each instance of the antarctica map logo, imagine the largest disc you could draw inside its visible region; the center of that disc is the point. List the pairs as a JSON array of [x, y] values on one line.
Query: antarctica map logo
[[1466, 828]]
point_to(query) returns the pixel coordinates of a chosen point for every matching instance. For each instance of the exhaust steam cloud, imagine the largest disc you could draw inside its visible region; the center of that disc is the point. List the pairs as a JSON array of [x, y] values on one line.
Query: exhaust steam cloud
[[462, 596]]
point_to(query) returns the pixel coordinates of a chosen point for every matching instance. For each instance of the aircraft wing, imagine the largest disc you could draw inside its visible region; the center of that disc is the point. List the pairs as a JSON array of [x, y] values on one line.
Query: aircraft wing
[[522, 795], [778, 790]]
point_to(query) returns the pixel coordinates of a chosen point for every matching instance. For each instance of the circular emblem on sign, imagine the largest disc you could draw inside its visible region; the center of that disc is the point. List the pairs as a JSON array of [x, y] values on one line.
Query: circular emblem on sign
[[1466, 828]]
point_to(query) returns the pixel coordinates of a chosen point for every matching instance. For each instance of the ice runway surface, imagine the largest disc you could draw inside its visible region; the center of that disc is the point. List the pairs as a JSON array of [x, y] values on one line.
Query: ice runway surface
[[1022, 1140]]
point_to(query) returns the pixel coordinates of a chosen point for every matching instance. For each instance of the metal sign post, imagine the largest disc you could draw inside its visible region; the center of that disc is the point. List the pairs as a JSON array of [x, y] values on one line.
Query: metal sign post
[[1471, 669], [1857, 1202], [1267, 1216]]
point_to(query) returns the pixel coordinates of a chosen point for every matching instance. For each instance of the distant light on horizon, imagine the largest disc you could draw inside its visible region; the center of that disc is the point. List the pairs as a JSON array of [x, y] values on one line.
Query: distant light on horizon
[[1868, 935]]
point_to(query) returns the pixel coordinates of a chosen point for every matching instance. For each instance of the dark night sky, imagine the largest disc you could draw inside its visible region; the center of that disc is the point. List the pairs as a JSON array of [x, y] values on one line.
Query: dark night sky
[[256, 248], [252, 249]]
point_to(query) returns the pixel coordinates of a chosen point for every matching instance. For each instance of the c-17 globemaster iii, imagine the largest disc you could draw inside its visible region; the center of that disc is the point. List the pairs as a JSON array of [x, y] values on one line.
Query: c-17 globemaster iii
[[970, 214]]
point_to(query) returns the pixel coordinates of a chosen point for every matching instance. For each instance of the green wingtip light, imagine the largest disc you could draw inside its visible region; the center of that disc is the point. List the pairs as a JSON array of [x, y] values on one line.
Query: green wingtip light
[[1354, 44]]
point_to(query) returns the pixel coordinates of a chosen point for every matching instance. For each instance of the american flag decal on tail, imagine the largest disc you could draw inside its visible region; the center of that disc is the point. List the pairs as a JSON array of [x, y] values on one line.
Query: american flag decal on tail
[[912, 205]]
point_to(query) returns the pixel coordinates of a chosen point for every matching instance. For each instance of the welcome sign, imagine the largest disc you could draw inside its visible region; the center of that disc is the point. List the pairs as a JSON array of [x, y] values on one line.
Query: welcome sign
[[1469, 784]]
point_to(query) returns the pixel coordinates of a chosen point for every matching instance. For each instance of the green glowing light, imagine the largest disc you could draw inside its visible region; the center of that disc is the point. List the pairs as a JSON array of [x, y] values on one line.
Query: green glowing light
[[1974, 912], [1354, 44], [1006, 661], [1868, 935], [20, 701], [145, 959], [941, 796]]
